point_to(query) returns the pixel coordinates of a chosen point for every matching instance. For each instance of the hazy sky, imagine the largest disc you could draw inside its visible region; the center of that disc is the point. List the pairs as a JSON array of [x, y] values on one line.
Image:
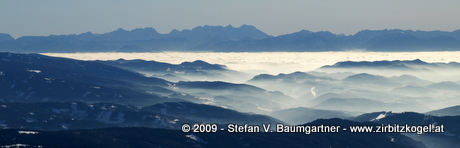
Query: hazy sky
[[45, 17]]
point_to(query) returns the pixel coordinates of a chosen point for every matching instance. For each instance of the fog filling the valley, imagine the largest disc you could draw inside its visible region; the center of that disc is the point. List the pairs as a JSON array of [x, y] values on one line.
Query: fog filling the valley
[[346, 89], [269, 62]]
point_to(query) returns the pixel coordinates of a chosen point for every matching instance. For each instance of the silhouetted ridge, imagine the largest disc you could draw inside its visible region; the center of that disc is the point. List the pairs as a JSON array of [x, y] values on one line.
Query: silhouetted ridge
[[245, 38], [5, 37]]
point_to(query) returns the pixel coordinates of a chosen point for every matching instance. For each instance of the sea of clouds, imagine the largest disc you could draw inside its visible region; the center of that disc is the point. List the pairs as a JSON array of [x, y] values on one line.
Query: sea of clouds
[[269, 62]]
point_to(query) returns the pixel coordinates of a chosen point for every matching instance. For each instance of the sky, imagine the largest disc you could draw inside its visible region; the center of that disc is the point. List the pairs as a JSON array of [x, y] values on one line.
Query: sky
[[45, 17]]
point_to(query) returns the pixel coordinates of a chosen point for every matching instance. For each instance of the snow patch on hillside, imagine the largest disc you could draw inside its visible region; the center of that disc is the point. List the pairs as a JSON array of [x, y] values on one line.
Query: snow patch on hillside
[[30, 119], [36, 71], [27, 132], [15, 146], [381, 116], [196, 138]]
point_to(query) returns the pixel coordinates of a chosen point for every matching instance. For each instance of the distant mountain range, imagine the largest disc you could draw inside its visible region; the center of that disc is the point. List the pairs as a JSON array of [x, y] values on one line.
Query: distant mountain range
[[245, 38], [416, 64]]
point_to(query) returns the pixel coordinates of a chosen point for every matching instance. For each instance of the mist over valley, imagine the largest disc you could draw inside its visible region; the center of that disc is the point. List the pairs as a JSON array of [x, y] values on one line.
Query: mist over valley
[[124, 81], [230, 74], [95, 90]]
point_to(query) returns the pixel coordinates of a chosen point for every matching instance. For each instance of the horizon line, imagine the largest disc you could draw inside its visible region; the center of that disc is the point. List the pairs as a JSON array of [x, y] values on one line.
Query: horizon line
[[229, 25]]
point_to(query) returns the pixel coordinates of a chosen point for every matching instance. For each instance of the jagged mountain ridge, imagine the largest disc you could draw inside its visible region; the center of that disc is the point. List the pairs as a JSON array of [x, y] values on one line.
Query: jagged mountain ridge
[[136, 40], [245, 38]]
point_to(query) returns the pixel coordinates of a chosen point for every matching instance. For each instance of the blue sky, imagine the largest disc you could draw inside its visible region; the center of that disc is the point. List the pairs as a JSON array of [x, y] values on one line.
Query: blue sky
[[45, 17]]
